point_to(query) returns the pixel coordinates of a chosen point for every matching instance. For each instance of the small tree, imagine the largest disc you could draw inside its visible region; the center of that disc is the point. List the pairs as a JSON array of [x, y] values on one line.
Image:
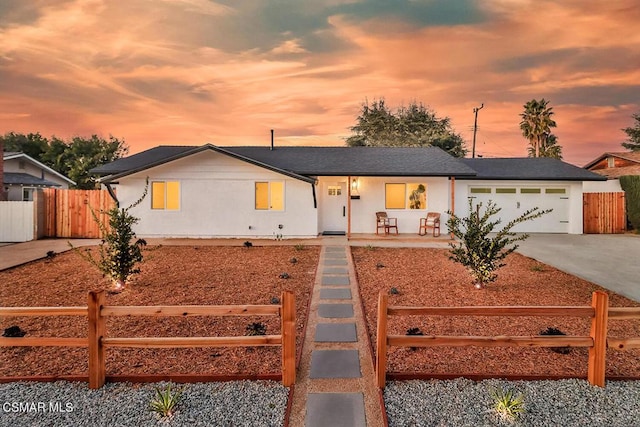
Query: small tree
[[480, 253], [631, 186], [120, 250]]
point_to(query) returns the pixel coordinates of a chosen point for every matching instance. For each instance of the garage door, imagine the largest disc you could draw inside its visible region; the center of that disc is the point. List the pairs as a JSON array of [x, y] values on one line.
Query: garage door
[[515, 200]]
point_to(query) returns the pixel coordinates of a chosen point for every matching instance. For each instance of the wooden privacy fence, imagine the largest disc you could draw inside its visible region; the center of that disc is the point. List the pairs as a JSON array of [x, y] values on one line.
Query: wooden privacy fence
[[604, 213], [68, 212], [597, 341], [98, 342]]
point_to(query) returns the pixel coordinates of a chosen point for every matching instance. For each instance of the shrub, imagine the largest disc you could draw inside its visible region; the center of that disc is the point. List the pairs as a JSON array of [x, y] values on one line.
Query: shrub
[[506, 404], [481, 254], [165, 401], [299, 247], [256, 328], [555, 331], [631, 186], [120, 251], [394, 291]]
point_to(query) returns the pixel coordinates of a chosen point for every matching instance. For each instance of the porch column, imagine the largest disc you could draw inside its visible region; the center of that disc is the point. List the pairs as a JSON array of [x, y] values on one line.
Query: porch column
[[453, 199], [348, 207]]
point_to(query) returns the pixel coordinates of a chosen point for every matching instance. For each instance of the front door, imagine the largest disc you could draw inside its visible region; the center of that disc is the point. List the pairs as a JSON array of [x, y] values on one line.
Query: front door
[[334, 207]]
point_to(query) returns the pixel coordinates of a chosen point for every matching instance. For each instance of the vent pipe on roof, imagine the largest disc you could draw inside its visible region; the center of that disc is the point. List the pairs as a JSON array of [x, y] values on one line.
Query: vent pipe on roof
[[271, 140]]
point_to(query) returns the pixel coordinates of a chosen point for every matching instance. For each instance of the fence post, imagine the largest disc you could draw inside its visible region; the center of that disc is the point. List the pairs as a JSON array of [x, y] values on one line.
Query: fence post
[[598, 353], [381, 340], [97, 370], [288, 315]]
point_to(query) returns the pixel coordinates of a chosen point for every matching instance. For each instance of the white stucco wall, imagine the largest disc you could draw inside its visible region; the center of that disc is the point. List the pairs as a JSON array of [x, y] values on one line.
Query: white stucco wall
[[608, 186], [217, 199], [372, 200], [541, 224]]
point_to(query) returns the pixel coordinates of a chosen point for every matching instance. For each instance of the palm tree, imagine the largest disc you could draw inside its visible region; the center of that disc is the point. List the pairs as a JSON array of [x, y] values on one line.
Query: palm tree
[[536, 123], [548, 148]]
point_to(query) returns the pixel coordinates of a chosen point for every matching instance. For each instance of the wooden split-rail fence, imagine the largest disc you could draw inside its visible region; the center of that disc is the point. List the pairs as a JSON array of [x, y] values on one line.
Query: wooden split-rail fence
[[97, 340], [597, 341]]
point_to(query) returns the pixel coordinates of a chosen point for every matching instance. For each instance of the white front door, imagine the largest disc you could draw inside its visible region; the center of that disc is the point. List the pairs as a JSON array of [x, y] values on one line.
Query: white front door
[[334, 207]]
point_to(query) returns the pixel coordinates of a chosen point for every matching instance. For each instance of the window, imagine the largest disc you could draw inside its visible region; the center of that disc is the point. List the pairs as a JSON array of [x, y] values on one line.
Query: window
[[505, 191], [405, 196], [529, 191], [270, 195], [165, 195], [27, 194], [555, 190], [478, 190], [334, 190], [611, 162]]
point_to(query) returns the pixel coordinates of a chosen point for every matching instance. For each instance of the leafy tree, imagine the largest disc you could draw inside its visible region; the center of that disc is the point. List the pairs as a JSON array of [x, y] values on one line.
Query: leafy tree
[[631, 186], [633, 134], [536, 126], [33, 144], [72, 158], [412, 126], [480, 253]]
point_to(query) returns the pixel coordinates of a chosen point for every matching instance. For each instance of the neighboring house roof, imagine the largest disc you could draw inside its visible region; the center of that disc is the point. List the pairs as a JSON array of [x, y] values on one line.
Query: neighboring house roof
[[626, 163], [529, 168], [10, 155], [632, 156], [305, 162], [613, 173], [11, 178]]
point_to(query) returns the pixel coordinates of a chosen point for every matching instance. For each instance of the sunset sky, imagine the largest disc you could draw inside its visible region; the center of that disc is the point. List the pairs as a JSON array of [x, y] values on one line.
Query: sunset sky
[[189, 72]]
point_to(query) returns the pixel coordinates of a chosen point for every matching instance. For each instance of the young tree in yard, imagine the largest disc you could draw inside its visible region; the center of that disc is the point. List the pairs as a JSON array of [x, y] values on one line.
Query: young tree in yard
[[412, 126], [633, 133], [479, 252], [536, 125], [120, 250]]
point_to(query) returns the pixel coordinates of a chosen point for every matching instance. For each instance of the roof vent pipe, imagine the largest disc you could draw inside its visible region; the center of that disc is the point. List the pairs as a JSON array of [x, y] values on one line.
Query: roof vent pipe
[[271, 140]]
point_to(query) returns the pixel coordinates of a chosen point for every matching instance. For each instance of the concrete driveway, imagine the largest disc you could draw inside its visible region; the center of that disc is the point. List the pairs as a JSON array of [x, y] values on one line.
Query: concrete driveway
[[609, 260]]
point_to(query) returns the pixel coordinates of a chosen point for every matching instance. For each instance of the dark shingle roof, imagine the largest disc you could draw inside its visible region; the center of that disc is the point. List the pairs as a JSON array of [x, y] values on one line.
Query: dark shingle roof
[[12, 178], [310, 161], [363, 161], [529, 168]]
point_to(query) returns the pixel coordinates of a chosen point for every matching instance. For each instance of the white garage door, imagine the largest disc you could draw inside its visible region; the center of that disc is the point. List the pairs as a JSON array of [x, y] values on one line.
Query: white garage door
[[515, 200]]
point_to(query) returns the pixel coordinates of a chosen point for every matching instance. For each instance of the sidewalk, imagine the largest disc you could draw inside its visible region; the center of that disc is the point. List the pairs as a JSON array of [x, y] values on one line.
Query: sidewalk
[[15, 254]]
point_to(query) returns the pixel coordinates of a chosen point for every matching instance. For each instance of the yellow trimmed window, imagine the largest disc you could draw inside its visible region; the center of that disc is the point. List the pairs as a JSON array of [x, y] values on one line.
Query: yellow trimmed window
[[270, 195], [405, 196], [165, 195]]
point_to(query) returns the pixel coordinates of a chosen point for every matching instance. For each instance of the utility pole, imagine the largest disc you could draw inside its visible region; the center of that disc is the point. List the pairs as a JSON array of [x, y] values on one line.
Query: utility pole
[[475, 129]]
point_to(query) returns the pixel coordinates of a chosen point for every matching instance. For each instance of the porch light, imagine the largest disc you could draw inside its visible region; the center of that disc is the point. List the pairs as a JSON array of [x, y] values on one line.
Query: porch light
[[354, 188]]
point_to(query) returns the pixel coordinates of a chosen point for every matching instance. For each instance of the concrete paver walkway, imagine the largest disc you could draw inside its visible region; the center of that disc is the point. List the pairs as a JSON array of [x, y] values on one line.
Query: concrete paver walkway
[[336, 385]]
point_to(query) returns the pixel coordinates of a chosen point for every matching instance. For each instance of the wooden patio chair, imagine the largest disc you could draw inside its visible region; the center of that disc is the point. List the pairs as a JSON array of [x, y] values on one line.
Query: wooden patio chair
[[385, 223], [432, 221]]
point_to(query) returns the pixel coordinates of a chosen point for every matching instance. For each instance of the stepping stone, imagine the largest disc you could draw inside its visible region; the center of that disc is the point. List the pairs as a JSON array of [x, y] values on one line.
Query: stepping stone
[[336, 332], [335, 364], [329, 261], [336, 311], [335, 255], [335, 280], [335, 410], [335, 293], [334, 249], [335, 270]]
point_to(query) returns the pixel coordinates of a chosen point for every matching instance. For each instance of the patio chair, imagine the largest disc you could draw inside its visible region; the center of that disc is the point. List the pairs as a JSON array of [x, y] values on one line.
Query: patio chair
[[432, 221], [385, 223]]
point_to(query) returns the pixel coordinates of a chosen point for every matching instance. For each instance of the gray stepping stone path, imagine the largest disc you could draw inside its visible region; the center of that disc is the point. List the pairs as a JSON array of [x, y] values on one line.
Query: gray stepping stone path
[[334, 249], [335, 293], [335, 364], [335, 270], [336, 332], [337, 311], [340, 261], [335, 280], [335, 410]]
